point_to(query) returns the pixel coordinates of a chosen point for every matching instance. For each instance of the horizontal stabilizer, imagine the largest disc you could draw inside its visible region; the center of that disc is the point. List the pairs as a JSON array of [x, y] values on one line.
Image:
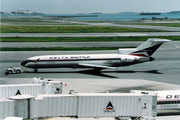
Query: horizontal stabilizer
[[126, 51], [152, 42]]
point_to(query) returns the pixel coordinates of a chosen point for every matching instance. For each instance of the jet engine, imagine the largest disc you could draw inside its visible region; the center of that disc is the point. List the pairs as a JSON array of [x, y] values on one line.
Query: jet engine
[[134, 59]]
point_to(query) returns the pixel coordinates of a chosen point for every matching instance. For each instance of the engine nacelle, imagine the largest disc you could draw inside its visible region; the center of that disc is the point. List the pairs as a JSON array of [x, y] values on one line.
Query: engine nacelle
[[132, 59]]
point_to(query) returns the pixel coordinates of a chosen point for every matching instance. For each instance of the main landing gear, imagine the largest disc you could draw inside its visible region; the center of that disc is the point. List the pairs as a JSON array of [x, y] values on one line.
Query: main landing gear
[[35, 70], [97, 70]]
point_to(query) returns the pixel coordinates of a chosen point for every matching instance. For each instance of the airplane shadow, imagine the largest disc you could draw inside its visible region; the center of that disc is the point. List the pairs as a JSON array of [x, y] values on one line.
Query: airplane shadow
[[104, 73], [131, 71], [95, 73]]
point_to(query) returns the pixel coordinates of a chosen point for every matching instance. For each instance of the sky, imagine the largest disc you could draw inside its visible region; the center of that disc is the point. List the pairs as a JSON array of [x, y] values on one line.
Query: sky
[[90, 6]]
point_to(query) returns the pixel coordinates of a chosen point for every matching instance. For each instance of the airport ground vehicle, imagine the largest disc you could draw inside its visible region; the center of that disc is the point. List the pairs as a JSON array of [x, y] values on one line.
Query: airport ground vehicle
[[11, 70]]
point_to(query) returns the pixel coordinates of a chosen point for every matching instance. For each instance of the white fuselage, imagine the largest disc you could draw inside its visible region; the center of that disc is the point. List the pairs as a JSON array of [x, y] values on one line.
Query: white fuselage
[[165, 99], [83, 61], [168, 99], [125, 57]]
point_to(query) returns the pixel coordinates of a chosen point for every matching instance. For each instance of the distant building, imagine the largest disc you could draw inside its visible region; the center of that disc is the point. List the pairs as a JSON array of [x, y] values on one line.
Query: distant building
[[20, 12]]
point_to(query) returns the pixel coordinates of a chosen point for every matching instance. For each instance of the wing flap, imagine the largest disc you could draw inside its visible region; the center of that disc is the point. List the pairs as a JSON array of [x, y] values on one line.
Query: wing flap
[[96, 66]]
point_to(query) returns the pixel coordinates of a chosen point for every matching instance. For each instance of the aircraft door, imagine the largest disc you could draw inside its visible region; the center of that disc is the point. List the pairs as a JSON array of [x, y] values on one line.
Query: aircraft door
[[36, 64]]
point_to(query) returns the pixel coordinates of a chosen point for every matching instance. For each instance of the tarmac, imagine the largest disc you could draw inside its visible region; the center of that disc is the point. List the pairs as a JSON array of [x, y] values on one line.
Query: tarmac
[[163, 73]]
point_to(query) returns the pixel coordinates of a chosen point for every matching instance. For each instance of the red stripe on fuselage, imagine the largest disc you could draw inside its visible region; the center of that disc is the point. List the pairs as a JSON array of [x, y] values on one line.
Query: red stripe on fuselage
[[141, 55]]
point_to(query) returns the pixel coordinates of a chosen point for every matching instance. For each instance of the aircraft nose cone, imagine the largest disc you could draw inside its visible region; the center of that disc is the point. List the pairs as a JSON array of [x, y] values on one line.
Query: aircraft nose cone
[[24, 63]]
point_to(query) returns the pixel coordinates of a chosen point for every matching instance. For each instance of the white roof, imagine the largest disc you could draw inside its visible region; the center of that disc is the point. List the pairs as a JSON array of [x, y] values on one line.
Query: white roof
[[13, 118], [20, 85], [41, 96], [21, 97], [5, 100], [107, 94], [163, 92]]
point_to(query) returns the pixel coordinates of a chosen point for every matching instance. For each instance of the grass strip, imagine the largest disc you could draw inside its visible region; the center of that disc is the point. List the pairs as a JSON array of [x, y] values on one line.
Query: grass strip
[[61, 49], [24, 21], [70, 29], [160, 24], [83, 39]]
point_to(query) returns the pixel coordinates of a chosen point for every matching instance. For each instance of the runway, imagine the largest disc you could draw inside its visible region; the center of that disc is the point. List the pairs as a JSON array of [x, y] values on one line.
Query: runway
[[132, 26], [90, 34], [75, 44], [69, 44]]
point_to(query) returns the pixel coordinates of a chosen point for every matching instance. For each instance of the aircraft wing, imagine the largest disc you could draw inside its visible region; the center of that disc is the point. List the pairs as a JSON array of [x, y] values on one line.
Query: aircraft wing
[[96, 66]]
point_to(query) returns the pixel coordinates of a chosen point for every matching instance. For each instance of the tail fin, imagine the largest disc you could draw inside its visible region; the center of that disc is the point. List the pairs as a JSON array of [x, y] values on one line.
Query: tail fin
[[146, 49], [150, 46]]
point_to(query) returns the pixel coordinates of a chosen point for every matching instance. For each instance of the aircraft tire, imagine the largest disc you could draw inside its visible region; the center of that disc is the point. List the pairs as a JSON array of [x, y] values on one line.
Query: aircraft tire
[[35, 70]]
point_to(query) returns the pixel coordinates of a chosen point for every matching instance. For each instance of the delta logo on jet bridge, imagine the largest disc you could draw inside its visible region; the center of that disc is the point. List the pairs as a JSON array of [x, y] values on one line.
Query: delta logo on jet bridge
[[18, 93], [109, 107]]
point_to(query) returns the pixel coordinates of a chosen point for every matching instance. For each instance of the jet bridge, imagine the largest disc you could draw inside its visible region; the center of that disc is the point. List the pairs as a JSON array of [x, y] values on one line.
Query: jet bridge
[[86, 105], [38, 86]]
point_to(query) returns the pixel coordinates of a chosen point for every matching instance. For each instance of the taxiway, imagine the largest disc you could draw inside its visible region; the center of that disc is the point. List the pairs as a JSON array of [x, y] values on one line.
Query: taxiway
[[173, 44], [129, 34]]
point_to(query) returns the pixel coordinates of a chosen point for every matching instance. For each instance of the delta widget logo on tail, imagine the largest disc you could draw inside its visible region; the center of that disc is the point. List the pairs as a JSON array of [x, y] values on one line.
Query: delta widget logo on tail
[[109, 107]]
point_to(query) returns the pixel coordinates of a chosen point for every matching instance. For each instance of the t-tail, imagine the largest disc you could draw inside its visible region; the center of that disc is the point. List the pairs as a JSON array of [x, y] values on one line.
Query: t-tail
[[146, 49]]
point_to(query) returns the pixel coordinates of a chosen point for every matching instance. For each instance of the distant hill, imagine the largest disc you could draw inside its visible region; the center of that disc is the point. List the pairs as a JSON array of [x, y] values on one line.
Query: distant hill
[[128, 13], [174, 12]]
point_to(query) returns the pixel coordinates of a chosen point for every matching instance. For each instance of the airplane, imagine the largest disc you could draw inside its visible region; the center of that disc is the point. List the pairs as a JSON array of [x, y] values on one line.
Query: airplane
[[124, 57], [166, 99]]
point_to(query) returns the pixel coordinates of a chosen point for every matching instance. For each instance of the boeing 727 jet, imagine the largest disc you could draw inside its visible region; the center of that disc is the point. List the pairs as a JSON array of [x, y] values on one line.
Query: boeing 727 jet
[[124, 57]]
